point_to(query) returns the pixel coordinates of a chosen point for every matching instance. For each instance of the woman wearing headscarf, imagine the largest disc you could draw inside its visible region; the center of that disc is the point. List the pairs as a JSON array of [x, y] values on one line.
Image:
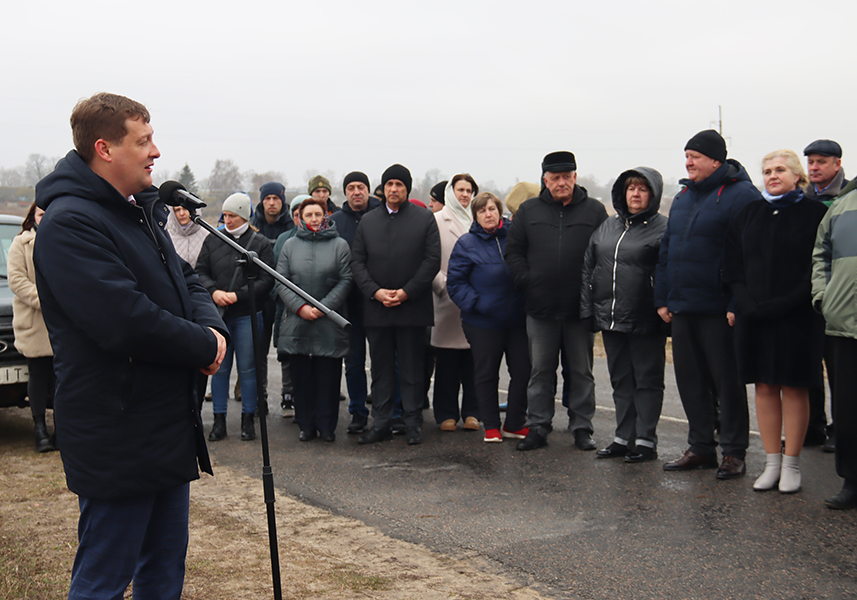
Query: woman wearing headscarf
[[318, 261], [453, 359], [779, 338], [492, 313], [223, 276], [617, 292], [31, 335]]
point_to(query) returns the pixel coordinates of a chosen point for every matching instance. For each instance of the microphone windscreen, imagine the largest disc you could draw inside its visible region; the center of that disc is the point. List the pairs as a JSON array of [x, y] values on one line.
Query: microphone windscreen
[[167, 192]]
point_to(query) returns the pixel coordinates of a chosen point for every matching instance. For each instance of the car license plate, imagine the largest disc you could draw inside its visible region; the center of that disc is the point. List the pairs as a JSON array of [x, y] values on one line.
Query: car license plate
[[16, 374]]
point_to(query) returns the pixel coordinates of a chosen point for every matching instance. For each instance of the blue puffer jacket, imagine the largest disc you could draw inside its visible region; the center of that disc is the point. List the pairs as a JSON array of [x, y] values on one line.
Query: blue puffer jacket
[[688, 274], [480, 281]]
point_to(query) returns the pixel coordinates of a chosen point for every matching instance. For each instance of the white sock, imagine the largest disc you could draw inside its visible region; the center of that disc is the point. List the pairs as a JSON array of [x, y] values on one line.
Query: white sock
[[769, 478], [790, 475]]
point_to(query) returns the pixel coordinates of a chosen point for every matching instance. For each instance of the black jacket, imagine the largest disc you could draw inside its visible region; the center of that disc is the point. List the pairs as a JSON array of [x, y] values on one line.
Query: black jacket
[[218, 269], [346, 224], [129, 325], [272, 230], [394, 251], [619, 266], [545, 251]]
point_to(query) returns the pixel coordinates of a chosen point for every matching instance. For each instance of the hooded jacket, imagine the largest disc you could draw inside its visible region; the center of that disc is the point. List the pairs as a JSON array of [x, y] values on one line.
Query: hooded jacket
[[545, 251], [688, 277], [480, 281], [834, 267], [129, 325], [619, 266], [320, 264]]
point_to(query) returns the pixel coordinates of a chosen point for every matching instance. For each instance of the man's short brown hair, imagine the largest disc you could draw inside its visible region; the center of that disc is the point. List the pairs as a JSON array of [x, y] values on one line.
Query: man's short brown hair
[[102, 117]]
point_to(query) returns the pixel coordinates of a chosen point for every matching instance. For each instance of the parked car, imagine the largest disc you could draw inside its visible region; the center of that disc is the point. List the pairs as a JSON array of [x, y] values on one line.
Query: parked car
[[13, 365]]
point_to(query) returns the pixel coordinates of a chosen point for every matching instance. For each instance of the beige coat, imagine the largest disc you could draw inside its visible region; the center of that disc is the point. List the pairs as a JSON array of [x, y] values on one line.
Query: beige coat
[[447, 331], [31, 335]]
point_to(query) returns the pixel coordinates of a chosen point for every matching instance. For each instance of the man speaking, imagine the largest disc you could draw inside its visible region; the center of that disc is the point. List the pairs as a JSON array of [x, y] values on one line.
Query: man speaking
[[130, 326]]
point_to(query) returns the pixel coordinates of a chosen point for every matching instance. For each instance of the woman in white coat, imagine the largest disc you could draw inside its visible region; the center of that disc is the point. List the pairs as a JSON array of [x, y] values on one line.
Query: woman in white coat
[[454, 362]]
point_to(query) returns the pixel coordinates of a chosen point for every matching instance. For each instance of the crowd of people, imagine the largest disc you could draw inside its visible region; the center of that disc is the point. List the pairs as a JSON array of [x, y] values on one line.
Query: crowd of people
[[124, 308]]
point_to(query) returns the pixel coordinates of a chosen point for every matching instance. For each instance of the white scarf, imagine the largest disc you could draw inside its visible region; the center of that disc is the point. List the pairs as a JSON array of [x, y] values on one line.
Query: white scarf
[[238, 231], [451, 204]]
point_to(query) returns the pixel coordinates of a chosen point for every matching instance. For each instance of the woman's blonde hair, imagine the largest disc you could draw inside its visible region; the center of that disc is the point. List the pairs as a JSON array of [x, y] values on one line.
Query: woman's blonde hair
[[792, 162]]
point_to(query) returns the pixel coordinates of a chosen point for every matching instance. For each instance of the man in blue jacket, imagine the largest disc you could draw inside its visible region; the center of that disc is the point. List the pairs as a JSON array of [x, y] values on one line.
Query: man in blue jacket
[[130, 325], [689, 295]]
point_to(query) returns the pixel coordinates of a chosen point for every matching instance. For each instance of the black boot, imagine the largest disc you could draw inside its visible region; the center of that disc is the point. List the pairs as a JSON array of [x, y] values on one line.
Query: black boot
[[248, 429], [43, 440], [218, 430]]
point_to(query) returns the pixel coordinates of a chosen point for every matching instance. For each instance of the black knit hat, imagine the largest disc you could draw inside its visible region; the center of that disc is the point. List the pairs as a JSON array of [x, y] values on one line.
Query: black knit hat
[[437, 192], [559, 162], [354, 176], [399, 172], [273, 188], [710, 143], [824, 147]]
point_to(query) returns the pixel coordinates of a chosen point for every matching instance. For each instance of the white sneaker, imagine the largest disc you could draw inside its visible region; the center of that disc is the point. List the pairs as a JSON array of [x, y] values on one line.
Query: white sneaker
[[288, 406]]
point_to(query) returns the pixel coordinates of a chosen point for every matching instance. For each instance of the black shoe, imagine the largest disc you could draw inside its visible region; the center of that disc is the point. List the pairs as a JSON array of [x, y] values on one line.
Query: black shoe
[[341, 397], [641, 454], [43, 440], [328, 436], [397, 426], [307, 435], [614, 450], [358, 424], [248, 428], [414, 436], [731, 467], [373, 435], [829, 444], [368, 398], [218, 430], [845, 499], [583, 440], [533, 441]]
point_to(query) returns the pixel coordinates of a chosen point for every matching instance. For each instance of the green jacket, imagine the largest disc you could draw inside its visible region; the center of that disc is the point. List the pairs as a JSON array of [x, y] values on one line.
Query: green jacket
[[320, 264], [834, 267]]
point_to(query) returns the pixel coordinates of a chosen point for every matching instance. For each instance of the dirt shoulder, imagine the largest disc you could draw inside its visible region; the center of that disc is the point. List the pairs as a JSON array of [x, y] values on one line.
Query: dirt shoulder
[[321, 555]]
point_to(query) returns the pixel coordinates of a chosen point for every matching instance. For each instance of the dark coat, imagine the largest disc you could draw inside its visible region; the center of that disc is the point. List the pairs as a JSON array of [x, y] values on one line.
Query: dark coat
[[397, 251], [619, 266], [272, 230], [545, 250], [346, 223], [779, 338], [688, 275], [129, 325], [480, 281], [218, 269], [320, 264]]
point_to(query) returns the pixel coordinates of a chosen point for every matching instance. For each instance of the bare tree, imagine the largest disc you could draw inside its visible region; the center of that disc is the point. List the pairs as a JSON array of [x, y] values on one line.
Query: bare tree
[[224, 180], [258, 179], [37, 167], [422, 187], [12, 177]]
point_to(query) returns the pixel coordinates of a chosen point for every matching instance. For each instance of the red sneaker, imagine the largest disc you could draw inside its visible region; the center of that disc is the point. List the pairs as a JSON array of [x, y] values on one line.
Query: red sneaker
[[492, 435], [518, 435]]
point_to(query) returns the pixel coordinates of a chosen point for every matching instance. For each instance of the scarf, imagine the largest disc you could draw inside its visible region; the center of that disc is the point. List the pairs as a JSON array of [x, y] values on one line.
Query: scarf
[[238, 231], [783, 200], [453, 207]]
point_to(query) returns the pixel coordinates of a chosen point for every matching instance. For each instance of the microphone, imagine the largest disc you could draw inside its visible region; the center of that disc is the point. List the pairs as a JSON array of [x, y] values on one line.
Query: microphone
[[173, 193]]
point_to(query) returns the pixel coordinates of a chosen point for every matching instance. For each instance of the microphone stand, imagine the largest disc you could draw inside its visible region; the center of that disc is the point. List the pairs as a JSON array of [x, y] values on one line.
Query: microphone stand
[[251, 264]]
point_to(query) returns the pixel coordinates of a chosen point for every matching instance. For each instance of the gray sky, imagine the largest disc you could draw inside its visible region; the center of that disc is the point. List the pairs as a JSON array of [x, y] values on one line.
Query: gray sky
[[459, 85]]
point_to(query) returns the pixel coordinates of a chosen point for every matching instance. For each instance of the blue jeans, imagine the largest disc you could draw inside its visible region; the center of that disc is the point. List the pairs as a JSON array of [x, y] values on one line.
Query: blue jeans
[[143, 538], [241, 345]]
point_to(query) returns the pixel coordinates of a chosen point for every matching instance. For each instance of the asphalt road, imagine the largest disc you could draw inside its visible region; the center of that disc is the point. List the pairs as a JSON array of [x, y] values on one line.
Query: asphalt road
[[572, 525]]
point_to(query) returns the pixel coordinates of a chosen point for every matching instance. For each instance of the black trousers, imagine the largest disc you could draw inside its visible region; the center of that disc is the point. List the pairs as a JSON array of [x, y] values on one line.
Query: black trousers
[[845, 407], [387, 345], [817, 415], [488, 347], [706, 373], [316, 384], [453, 370], [41, 384]]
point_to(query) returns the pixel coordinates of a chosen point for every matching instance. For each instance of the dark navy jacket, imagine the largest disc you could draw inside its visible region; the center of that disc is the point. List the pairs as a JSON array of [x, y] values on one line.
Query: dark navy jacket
[[346, 224], [688, 277], [480, 281], [129, 325], [272, 230]]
